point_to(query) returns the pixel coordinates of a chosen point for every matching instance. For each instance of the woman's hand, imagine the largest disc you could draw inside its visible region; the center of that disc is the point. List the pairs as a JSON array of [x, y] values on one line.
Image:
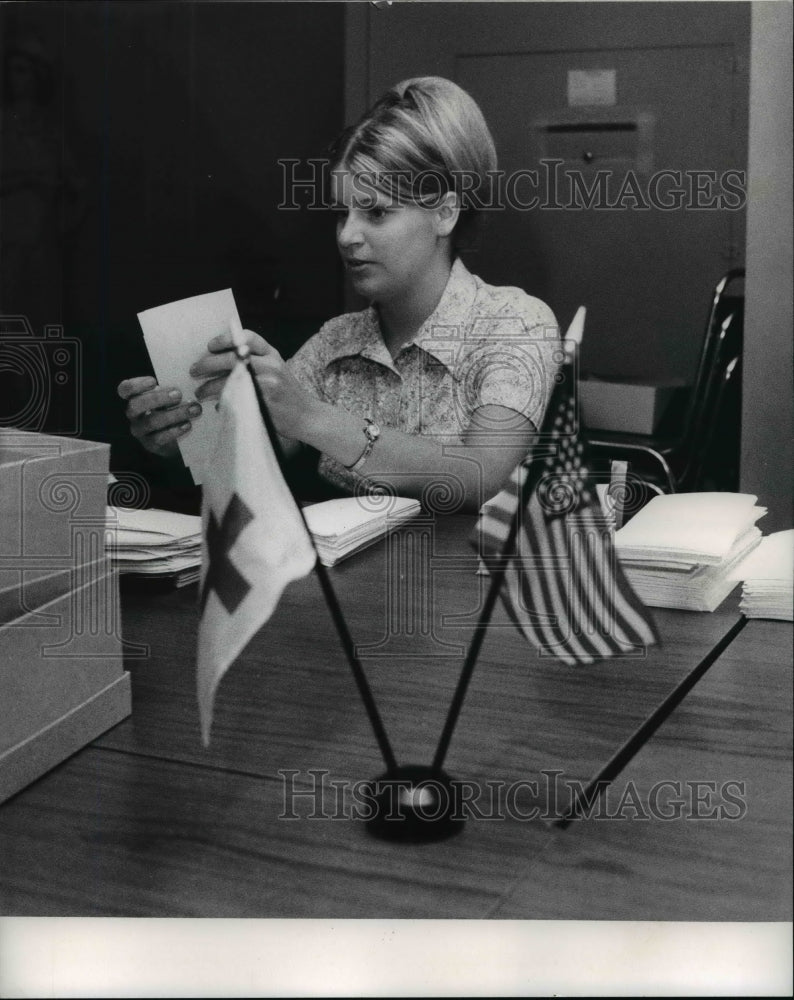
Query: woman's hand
[[157, 416], [291, 406]]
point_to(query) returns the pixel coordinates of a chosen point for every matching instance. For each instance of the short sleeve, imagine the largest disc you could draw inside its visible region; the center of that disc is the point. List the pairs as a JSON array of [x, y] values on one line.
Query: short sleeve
[[307, 366], [515, 359]]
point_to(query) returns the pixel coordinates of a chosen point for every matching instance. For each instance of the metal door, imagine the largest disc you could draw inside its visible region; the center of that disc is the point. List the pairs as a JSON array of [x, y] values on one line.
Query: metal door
[[640, 251]]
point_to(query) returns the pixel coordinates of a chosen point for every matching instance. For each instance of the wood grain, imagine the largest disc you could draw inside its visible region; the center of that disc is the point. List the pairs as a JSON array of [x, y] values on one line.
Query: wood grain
[[148, 822], [115, 834], [734, 726], [289, 701]]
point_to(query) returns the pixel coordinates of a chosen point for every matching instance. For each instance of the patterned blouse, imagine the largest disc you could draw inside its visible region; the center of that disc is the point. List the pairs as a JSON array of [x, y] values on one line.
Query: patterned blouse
[[481, 345]]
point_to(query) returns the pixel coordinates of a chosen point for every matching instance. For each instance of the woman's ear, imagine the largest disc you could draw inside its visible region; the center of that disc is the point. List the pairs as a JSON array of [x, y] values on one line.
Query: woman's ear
[[447, 213]]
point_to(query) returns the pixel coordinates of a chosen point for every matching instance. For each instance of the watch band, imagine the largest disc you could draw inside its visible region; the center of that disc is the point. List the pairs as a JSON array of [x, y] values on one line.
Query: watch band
[[372, 433]]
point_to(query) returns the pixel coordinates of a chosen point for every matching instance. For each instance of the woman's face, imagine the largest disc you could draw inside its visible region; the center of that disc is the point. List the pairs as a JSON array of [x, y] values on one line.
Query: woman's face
[[388, 248]]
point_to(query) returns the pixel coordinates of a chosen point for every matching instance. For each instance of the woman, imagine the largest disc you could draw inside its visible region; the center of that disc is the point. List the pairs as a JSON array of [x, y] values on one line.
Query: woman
[[443, 379]]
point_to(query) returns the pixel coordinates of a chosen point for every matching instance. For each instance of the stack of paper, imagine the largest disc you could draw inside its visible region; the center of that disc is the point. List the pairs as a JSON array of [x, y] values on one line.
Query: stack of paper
[[156, 544], [679, 551], [344, 526], [161, 544], [768, 575]]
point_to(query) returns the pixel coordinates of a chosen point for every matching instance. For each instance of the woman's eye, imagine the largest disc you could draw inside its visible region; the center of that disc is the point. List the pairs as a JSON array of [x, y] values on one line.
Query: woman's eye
[[377, 213]]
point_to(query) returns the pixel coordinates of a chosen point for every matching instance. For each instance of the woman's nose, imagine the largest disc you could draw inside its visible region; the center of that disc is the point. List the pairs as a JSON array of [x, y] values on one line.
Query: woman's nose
[[348, 232]]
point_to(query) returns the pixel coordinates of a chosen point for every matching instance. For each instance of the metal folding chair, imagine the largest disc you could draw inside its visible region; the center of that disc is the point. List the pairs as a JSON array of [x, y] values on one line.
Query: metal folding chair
[[675, 461]]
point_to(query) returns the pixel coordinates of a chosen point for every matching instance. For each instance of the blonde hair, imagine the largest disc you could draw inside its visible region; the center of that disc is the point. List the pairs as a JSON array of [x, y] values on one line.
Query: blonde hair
[[424, 138]]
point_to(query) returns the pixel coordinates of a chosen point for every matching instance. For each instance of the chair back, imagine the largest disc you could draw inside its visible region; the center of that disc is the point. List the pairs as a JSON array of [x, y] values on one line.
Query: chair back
[[722, 342], [727, 345], [722, 416], [715, 343], [680, 457]]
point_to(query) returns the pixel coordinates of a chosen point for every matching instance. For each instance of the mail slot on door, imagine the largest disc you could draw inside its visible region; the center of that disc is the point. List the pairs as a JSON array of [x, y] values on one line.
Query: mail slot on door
[[625, 140]]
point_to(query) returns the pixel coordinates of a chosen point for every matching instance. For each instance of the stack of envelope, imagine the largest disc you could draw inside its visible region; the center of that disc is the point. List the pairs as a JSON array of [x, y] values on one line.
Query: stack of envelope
[[347, 525], [768, 575], [159, 544], [156, 544], [680, 550]]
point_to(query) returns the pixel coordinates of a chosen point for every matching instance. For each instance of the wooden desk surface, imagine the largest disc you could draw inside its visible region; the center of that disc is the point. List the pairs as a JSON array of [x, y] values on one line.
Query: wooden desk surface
[[145, 821], [726, 853]]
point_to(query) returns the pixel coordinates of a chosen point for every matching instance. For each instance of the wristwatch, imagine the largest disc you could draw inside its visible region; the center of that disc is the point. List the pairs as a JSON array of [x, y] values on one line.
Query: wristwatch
[[371, 433]]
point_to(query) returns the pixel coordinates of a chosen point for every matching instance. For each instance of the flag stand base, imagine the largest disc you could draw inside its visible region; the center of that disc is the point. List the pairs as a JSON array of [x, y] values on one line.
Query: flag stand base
[[414, 804]]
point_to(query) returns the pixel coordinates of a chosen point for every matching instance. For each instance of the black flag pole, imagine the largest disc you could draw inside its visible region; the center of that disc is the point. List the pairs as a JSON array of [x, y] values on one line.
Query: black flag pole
[[498, 573], [243, 353], [545, 446], [473, 652], [414, 802]]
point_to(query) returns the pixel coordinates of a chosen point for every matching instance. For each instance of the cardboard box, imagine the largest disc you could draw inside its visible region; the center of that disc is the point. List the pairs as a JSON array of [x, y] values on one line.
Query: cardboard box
[[50, 486], [627, 406], [23, 591], [62, 681]]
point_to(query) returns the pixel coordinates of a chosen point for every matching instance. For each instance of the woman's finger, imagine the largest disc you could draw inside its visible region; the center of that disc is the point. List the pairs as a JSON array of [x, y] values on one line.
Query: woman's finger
[[213, 364], [159, 420], [211, 389], [162, 439], [155, 399], [130, 387], [224, 342]]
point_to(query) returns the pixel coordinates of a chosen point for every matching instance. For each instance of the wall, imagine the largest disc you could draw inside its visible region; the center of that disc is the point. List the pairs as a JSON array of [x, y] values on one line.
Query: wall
[[645, 275], [767, 461], [177, 114]]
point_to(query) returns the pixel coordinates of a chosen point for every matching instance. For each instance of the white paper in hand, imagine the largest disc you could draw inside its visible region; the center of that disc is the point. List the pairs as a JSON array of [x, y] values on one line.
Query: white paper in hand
[[176, 336]]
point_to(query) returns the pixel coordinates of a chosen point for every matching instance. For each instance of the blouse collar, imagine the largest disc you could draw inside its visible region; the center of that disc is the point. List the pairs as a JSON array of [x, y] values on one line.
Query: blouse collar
[[443, 325]]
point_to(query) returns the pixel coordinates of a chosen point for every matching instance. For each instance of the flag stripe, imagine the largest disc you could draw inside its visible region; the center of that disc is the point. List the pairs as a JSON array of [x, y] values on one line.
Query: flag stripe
[[525, 588], [563, 586], [564, 592], [595, 559], [584, 612], [543, 586], [617, 590]]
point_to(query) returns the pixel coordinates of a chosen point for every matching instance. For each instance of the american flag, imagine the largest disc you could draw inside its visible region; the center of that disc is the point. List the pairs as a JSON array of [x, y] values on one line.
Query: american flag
[[547, 535]]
